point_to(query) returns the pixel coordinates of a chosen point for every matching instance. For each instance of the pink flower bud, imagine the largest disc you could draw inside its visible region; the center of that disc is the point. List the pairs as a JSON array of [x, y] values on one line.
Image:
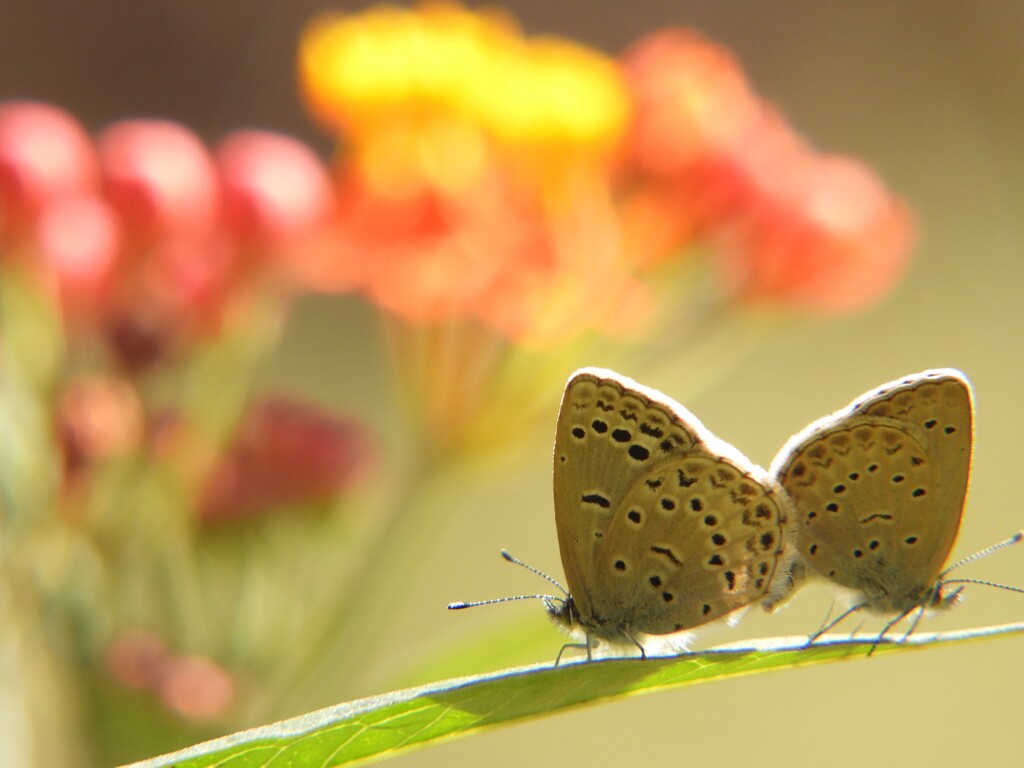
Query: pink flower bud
[[196, 688], [77, 239], [275, 188], [44, 154], [160, 179]]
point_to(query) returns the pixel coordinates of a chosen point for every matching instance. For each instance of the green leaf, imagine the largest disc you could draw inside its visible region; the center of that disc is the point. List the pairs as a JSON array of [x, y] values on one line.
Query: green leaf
[[380, 726]]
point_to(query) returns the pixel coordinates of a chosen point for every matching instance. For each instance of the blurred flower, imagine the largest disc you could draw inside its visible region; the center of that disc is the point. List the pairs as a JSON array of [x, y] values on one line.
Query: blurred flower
[[554, 93], [275, 189], [78, 241], [691, 103], [196, 688], [98, 418], [392, 65], [712, 163], [191, 687], [136, 659], [545, 190], [829, 239], [426, 253], [44, 154], [285, 453], [470, 148], [691, 100], [171, 281], [159, 178]]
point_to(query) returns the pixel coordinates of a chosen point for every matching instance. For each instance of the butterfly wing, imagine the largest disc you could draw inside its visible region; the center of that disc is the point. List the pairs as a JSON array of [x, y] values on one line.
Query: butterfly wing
[[694, 539], [879, 487], [940, 404], [614, 439]]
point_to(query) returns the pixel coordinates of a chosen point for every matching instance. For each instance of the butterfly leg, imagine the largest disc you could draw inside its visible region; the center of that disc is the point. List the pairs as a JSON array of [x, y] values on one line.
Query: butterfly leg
[[829, 624], [637, 643], [856, 630], [581, 646], [892, 624]]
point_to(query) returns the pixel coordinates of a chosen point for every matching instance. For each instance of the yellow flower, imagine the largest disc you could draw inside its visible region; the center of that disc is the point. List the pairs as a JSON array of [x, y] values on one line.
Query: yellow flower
[[559, 93], [361, 73], [391, 64]]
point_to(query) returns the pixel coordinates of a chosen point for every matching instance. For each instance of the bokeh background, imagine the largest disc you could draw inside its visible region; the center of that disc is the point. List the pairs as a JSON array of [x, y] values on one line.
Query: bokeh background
[[929, 93]]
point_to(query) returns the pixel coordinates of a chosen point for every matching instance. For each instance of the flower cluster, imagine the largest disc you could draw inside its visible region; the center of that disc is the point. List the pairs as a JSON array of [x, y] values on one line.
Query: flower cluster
[[512, 206], [537, 186], [144, 236], [790, 224], [131, 265], [472, 181]]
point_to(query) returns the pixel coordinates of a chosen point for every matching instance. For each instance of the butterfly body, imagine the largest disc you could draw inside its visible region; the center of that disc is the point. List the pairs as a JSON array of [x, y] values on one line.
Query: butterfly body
[[879, 490], [662, 526]]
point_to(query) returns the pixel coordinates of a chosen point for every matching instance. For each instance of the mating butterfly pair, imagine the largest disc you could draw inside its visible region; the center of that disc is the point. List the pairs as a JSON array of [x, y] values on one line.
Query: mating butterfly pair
[[663, 527]]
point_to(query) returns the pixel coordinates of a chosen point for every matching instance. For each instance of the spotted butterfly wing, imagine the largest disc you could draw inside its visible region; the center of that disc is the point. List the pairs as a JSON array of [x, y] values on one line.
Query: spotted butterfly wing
[[879, 488], [661, 525]]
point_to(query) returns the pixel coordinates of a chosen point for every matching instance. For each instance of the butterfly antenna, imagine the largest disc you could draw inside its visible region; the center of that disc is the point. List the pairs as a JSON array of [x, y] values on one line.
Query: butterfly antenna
[[531, 569], [460, 605], [549, 600], [1018, 536], [1007, 587]]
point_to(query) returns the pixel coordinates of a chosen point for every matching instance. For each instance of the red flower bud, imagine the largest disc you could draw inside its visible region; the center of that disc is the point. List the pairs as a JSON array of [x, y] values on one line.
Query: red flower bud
[[136, 659], [284, 453]]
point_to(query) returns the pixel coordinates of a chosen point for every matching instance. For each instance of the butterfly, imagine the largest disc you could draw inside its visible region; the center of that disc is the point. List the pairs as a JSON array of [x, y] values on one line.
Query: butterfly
[[661, 525], [879, 490]]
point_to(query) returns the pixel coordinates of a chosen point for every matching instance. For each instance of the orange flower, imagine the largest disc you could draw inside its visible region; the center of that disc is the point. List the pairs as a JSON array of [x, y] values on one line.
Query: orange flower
[[709, 161], [691, 100], [476, 156], [692, 104], [828, 237], [98, 418], [469, 147]]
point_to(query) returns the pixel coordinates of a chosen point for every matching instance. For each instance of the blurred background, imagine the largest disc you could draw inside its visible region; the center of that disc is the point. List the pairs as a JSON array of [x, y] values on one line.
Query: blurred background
[[927, 93]]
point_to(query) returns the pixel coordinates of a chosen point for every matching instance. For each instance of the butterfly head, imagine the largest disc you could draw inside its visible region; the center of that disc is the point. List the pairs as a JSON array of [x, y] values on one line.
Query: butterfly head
[[944, 595], [564, 613]]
